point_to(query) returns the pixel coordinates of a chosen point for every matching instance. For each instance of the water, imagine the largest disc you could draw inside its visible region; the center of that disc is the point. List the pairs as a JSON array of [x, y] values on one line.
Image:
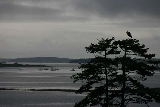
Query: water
[[33, 78], [38, 99]]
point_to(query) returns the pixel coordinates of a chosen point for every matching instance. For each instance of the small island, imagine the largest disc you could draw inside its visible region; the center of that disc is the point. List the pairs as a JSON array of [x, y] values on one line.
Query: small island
[[20, 65]]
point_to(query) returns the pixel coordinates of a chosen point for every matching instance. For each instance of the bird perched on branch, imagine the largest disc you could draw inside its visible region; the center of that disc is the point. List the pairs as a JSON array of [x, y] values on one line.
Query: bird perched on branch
[[129, 34]]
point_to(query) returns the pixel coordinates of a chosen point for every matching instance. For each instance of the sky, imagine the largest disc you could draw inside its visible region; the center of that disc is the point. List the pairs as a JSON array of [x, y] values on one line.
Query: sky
[[63, 28]]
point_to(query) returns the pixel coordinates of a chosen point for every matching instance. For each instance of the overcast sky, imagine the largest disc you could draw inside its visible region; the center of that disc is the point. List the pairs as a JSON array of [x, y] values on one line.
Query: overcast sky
[[62, 28]]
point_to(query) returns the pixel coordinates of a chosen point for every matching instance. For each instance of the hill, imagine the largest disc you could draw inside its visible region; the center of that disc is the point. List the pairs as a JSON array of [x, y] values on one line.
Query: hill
[[41, 60], [48, 60]]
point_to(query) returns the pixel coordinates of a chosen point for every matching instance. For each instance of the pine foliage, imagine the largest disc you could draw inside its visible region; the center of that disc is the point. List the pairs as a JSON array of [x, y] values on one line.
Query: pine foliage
[[107, 77]]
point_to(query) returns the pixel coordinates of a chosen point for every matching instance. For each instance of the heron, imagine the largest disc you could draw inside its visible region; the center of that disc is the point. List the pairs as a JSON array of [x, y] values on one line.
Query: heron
[[129, 34]]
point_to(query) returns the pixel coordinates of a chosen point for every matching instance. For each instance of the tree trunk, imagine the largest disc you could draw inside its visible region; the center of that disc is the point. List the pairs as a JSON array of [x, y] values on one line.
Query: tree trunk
[[124, 81], [106, 74]]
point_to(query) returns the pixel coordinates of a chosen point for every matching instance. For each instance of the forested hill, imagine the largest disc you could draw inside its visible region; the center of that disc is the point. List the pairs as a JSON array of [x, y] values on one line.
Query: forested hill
[[42, 60], [48, 60]]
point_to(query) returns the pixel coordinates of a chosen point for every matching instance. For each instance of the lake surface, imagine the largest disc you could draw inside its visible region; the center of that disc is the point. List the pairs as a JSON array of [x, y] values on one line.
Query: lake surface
[[33, 78]]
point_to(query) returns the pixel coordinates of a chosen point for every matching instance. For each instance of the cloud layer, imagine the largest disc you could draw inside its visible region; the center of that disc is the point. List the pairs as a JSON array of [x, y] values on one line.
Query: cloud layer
[[35, 10], [117, 8], [63, 28]]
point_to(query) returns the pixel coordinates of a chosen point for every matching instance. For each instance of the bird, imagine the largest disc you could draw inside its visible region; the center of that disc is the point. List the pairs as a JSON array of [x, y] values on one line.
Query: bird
[[129, 34]]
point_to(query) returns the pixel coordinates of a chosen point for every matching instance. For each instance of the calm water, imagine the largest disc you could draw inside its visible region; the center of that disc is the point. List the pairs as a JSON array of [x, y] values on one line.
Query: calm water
[[33, 78], [38, 99]]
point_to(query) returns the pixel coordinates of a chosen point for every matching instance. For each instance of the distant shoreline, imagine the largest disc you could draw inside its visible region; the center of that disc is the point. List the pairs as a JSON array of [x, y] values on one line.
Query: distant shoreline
[[45, 60], [21, 65], [65, 90]]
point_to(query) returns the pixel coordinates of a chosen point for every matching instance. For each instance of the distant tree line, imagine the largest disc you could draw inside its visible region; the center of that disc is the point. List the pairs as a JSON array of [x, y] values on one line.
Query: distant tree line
[[54, 60], [41, 60], [46, 60], [20, 65]]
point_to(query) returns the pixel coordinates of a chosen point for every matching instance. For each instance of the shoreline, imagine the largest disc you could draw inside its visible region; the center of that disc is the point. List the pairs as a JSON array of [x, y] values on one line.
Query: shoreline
[[65, 90], [22, 65]]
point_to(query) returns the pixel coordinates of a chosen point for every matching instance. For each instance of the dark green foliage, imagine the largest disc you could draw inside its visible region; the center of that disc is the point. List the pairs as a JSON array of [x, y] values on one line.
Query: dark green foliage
[[107, 76], [95, 74], [132, 90]]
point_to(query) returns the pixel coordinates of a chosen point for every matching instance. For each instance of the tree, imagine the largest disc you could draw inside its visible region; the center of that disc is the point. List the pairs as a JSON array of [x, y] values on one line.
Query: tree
[[107, 77], [97, 74], [135, 60]]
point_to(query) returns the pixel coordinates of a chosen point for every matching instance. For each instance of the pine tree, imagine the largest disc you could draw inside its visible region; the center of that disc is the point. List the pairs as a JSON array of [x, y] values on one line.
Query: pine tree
[[107, 78], [135, 60], [98, 75]]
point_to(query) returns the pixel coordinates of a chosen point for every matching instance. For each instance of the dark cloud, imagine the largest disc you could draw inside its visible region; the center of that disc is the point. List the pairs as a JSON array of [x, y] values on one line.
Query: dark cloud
[[60, 38], [80, 9], [119, 8], [14, 11]]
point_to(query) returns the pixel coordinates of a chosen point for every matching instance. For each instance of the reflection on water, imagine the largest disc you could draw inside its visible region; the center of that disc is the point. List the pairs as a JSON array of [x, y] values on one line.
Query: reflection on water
[[33, 78], [38, 99]]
